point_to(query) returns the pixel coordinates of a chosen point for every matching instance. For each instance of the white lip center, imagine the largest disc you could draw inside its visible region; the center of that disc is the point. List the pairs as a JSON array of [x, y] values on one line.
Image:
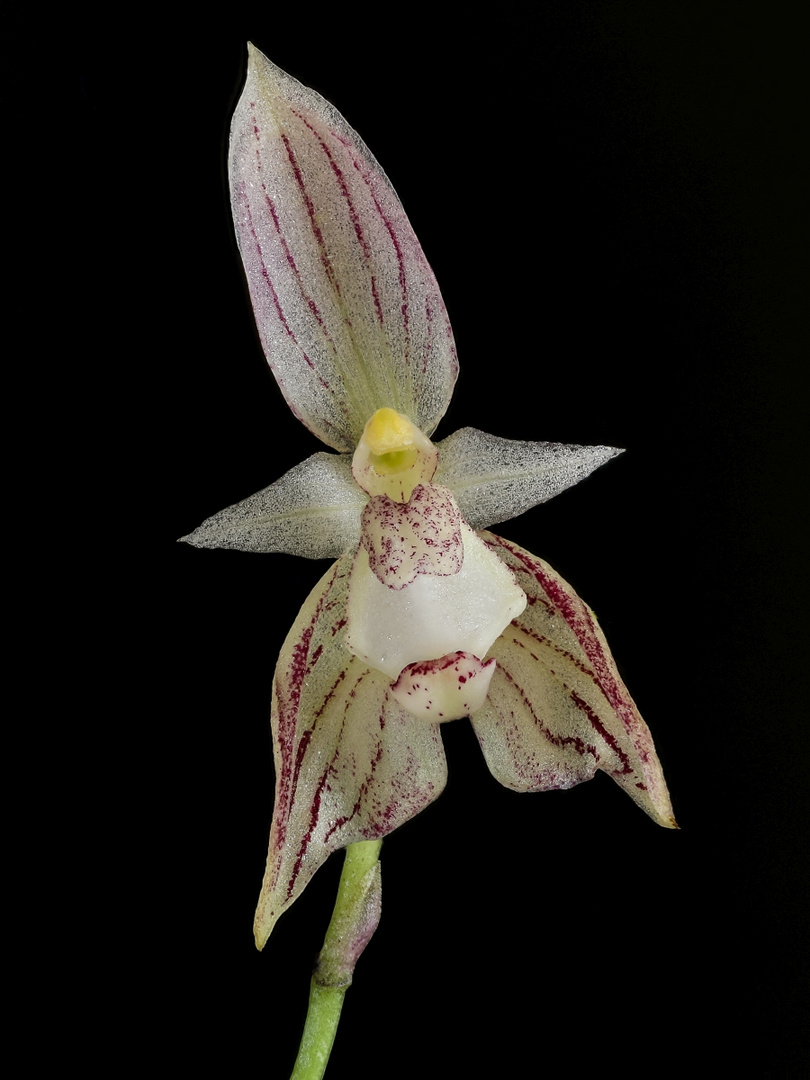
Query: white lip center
[[434, 615]]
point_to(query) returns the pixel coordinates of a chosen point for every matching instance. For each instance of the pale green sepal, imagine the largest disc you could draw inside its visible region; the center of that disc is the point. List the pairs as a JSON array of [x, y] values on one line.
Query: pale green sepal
[[347, 308], [557, 709], [495, 479], [313, 510], [351, 763]]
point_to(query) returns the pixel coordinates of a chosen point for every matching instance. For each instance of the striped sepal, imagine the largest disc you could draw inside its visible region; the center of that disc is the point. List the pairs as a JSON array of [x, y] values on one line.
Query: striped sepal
[[349, 313], [351, 764], [557, 708]]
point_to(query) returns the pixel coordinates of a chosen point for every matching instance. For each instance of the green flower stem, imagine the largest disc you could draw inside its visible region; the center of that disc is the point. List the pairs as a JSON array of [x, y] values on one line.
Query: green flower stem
[[354, 920]]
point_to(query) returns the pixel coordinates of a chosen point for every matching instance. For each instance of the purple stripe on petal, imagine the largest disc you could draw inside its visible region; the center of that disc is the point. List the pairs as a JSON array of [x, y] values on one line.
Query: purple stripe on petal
[[349, 764], [313, 221], [557, 691], [355, 320]]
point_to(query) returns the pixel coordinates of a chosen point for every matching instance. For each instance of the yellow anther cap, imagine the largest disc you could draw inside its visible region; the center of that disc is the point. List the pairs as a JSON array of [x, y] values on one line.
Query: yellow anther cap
[[388, 431], [393, 456]]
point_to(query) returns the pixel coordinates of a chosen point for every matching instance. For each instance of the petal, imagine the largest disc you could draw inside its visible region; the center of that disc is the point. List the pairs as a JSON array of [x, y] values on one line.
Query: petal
[[313, 510], [557, 708], [349, 313], [496, 479], [442, 592], [351, 764], [422, 536], [444, 689]]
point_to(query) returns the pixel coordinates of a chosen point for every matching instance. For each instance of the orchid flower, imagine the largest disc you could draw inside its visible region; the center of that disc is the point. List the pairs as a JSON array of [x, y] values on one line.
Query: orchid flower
[[423, 618]]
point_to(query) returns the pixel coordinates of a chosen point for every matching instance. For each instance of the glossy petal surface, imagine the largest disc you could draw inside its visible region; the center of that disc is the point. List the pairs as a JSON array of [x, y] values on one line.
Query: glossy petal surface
[[441, 592], [313, 510], [447, 688], [495, 479], [557, 709], [351, 764], [349, 313]]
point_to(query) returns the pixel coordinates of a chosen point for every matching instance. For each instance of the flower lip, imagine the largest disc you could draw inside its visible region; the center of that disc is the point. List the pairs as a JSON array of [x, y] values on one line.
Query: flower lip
[[424, 585], [448, 688]]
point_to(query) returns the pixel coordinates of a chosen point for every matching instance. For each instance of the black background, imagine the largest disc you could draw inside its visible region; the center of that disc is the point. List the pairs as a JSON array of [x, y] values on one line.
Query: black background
[[613, 198]]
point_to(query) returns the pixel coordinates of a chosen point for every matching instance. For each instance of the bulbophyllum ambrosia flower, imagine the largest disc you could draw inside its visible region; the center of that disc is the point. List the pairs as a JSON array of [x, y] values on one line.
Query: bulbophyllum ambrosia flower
[[423, 618]]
